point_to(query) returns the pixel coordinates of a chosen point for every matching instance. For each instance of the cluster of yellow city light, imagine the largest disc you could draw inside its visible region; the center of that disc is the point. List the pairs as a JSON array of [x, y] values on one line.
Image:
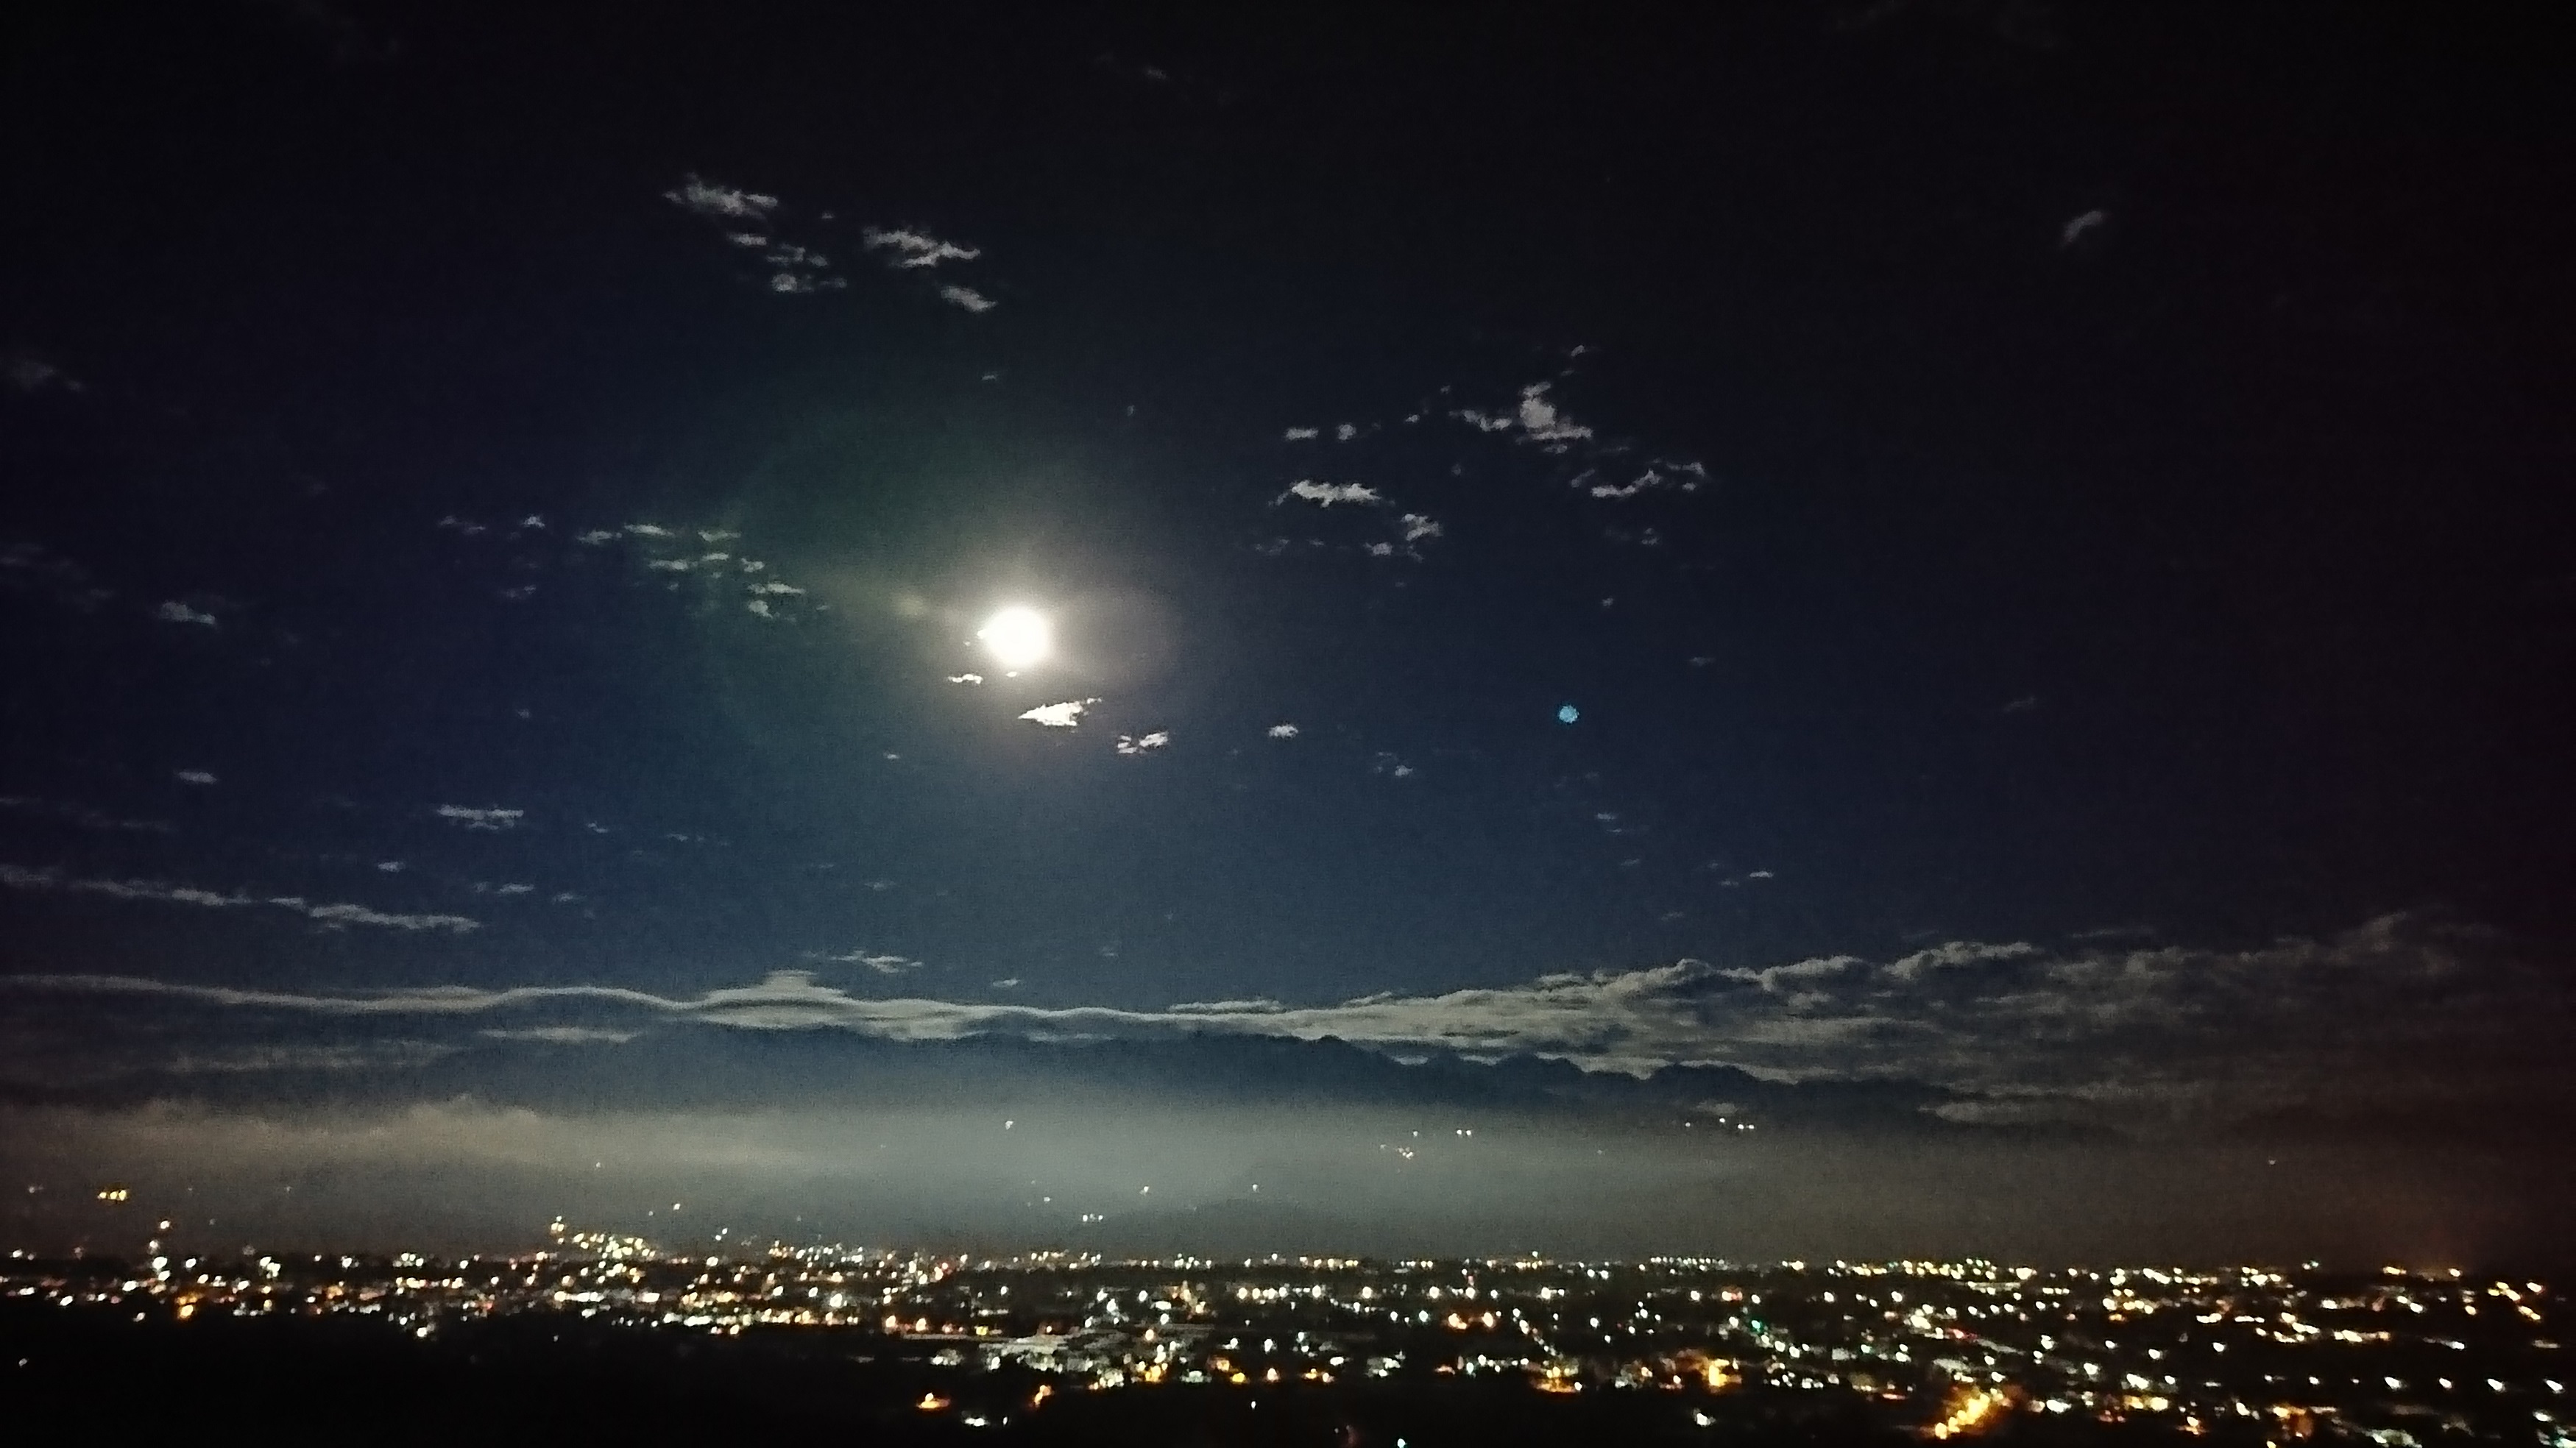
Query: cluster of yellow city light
[[1969, 1410]]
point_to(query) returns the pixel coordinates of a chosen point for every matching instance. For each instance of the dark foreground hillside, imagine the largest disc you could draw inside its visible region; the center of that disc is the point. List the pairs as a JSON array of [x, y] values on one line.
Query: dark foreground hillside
[[74, 1376]]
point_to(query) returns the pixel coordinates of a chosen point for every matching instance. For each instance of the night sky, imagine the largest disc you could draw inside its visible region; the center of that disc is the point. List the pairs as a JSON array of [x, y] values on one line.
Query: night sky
[[1830, 628]]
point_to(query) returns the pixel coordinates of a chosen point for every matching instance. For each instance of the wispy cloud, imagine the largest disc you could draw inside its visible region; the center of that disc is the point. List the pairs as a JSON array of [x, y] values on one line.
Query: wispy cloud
[[1536, 418], [968, 678], [707, 198], [1644, 482], [27, 372], [33, 569], [1302, 434], [1132, 744], [682, 555], [193, 776], [18, 877], [82, 816], [1066, 715], [173, 611], [911, 248], [563, 1035], [1418, 526], [489, 818], [1328, 494], [1656, 476], [795, 271], [362, 915], [745, 218], [879, 961], [1543, 421], [361, 1056], [967, 297], [766, 597], [1282, 731]]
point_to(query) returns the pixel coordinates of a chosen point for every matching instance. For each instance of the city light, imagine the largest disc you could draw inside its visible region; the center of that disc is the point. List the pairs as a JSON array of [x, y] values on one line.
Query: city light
[[1944, 1349]]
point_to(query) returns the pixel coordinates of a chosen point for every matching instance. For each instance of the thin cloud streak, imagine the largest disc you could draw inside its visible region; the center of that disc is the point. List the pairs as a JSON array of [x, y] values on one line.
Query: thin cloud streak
[[18, 877], [493, 818], [82, 816], [1328, 494], [915, 249], [706, 198]]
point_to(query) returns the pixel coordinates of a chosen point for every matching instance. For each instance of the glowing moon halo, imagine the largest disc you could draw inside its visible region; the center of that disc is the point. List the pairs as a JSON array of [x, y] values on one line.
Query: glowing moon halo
[[1017, 637]]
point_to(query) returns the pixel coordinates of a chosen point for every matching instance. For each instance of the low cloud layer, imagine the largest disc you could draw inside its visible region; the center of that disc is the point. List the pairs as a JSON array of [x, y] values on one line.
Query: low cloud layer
[[2016, 1032], [1074, 1167]]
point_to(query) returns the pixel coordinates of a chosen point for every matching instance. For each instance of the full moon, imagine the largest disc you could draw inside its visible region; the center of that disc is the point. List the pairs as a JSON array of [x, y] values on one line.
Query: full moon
[[1017, 637]]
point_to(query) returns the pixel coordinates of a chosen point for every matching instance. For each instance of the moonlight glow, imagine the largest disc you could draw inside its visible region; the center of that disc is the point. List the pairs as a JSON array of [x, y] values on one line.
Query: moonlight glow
[[1018, 637]]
